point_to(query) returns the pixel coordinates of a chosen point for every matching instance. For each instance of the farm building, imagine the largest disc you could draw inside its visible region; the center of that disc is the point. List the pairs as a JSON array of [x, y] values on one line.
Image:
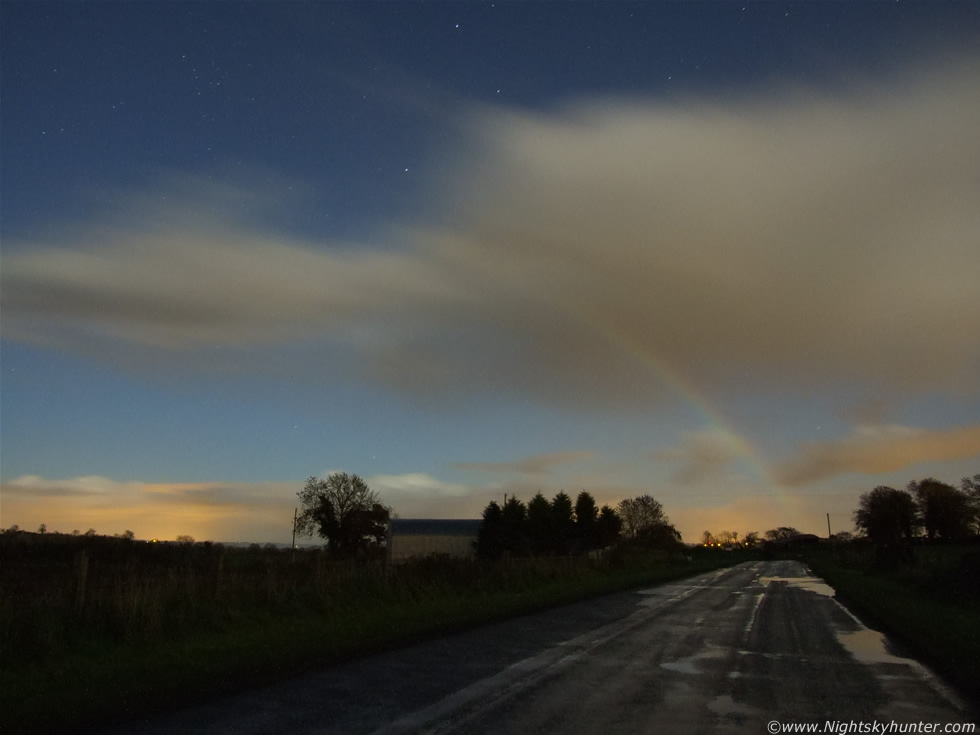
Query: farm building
[[419, 537]]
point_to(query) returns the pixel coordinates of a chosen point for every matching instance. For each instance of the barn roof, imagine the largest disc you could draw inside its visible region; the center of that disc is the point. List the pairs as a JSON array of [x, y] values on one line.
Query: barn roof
[[434, 527]]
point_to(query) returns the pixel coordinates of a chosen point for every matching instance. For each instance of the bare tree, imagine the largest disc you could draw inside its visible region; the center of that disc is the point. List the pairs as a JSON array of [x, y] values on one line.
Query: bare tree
[[343, 510], [644, 520]]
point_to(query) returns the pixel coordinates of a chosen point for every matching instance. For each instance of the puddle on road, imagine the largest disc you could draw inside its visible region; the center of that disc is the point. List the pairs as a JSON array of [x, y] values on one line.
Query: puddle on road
[[684, 666], [725, 706], [689, 664], [865, 644], [869, 646], [810, 584]]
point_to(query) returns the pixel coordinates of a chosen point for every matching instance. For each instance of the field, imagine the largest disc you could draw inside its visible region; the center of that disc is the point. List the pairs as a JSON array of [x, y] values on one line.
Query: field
[[111, 629]]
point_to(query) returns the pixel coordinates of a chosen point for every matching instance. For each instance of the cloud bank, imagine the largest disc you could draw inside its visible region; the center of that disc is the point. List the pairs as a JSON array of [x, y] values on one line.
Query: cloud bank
[[878, 449], [800, 239]]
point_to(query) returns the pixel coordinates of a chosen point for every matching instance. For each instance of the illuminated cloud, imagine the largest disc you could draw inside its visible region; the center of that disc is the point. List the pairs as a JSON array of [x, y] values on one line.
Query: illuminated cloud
[[535, 465], [878, 449], [801, 239], [414, 485]]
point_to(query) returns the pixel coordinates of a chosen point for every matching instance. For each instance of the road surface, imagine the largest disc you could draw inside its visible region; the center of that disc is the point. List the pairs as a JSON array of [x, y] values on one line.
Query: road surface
[[725, 652]]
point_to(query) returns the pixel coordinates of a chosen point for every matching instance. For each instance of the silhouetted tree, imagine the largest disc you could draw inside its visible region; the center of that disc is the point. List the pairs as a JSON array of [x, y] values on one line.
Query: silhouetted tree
[[515, 537], [343, 510], [609, 527], [971, 486], [727, 538], [185, 539], [490, 537], [783, 533], [660, 536], [539, 524], [707, 538], [887, 516], [640, 513], [563, 524], [944, 510], [645, 522], [43, 528], [586, 521], [751, 538]]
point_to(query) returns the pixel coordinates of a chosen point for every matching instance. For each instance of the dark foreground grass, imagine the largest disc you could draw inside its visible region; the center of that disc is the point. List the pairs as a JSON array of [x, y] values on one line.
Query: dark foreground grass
[[932, 606], [192, 635]]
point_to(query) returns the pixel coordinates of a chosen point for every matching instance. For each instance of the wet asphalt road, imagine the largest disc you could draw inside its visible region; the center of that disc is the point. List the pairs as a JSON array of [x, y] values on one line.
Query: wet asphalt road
[[728, 651]]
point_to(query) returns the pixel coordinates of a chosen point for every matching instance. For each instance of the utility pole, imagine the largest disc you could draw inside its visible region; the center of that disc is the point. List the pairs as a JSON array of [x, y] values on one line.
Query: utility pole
[[829, 534], [294, 527]]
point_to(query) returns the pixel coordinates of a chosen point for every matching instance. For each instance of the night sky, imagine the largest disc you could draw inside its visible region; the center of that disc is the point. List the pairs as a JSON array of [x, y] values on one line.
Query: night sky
[[722, 253]]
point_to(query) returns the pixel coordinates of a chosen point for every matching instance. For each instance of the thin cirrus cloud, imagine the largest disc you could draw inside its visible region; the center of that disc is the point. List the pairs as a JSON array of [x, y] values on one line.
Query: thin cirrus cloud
[[878, 449], [799, 238]]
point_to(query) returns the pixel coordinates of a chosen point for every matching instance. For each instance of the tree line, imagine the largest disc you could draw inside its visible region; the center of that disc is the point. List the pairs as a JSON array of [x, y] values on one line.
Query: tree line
[[730, 539], [891, 518], [557, 527]]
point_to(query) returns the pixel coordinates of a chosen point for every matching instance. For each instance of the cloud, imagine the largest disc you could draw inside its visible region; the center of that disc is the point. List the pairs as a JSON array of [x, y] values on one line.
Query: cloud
[[92, 487], [703, 455], [878, 449], [534, 465], [414, 485], [796, 239]]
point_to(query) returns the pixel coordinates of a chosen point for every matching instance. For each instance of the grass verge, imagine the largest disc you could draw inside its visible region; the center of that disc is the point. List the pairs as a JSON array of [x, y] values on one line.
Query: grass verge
[[99, 680], [943, 632]]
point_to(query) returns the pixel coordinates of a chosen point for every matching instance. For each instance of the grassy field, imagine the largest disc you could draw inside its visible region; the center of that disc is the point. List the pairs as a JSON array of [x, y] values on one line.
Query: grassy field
[[932, 606], [110, 629]]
